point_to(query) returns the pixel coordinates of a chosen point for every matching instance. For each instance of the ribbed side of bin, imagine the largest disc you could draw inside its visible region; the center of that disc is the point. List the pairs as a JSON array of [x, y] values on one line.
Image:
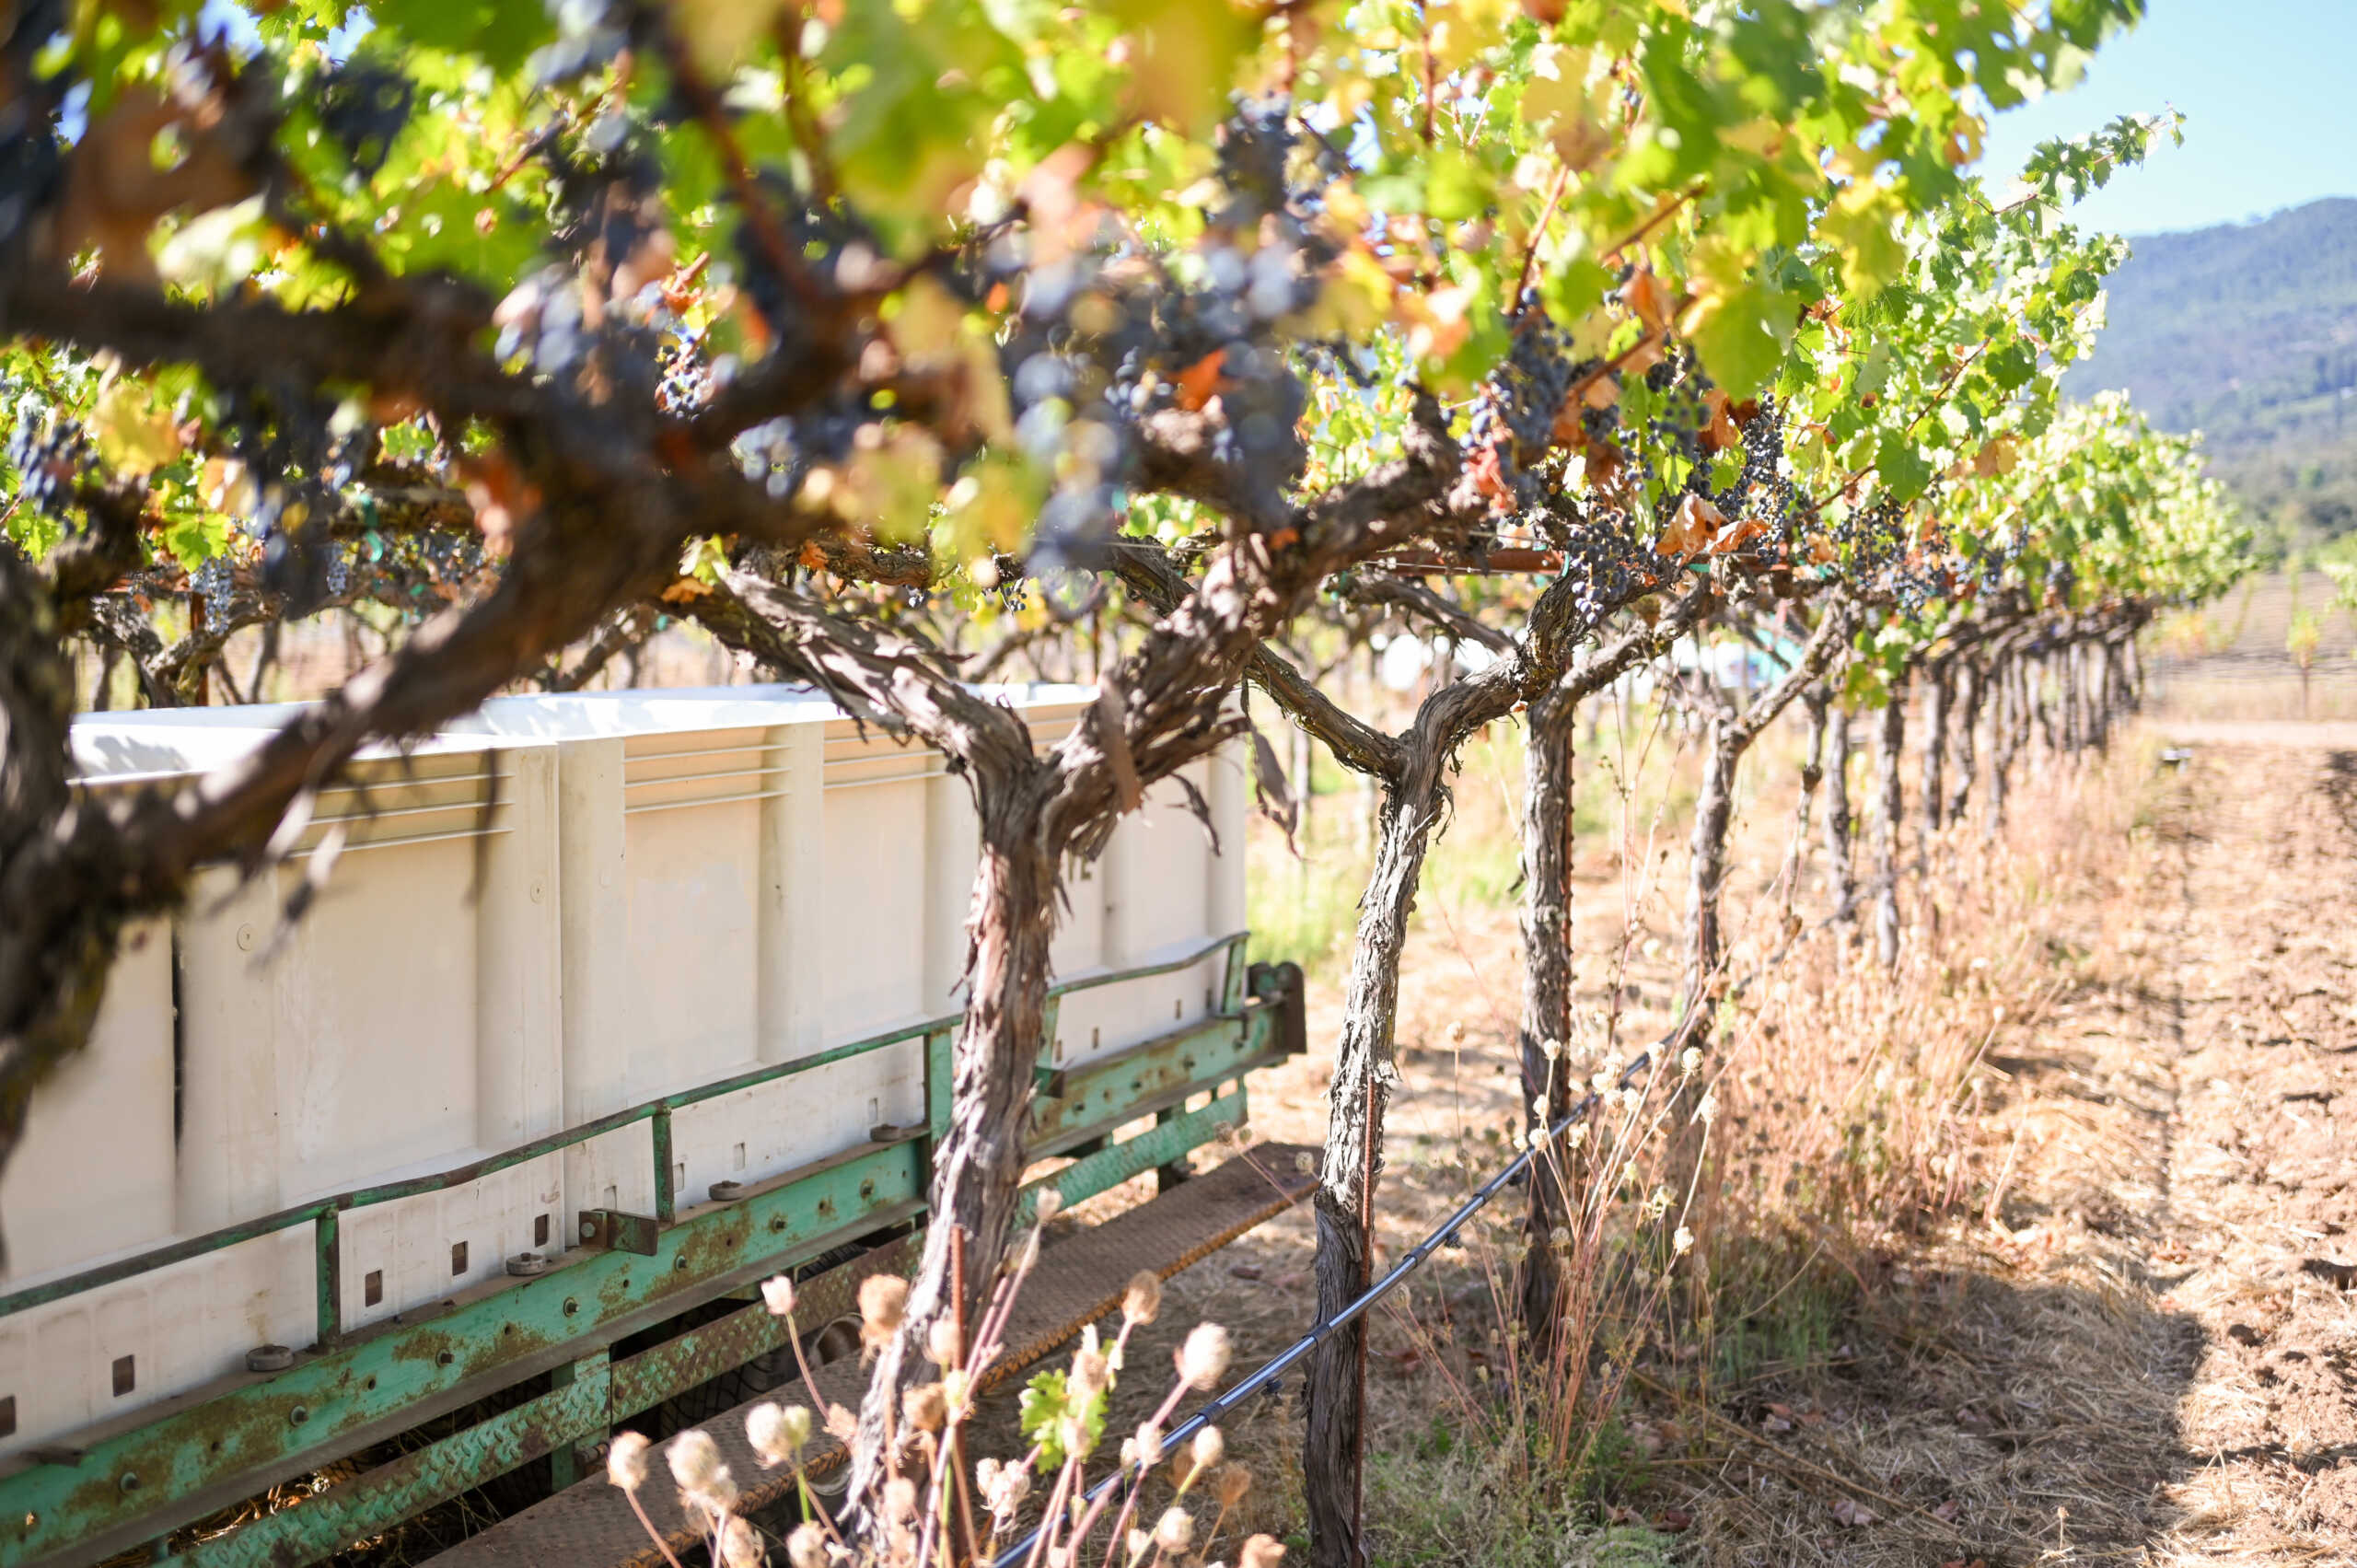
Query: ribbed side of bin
[[243, 1065], [558, 909]]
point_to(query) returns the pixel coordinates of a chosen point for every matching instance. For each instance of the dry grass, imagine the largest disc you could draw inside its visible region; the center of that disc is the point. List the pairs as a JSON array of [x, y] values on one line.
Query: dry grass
[[1882, 1281]]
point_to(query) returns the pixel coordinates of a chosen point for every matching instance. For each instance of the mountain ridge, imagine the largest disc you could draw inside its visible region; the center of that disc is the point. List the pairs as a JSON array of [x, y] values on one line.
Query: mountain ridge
[[2247, 332]]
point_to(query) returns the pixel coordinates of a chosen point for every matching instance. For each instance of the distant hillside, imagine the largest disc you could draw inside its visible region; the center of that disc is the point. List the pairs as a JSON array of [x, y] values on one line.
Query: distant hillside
[[2249, 333]]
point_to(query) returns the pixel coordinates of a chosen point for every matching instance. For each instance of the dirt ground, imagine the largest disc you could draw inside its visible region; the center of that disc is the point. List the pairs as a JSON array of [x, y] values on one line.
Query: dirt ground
[[2140, 1348]]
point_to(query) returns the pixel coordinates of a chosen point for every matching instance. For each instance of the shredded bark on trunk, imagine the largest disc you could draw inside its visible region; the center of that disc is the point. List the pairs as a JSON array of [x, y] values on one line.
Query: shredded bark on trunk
[[1933, 787], [1818, 700], [1841, 878], [1970, 688], [1890, 746]]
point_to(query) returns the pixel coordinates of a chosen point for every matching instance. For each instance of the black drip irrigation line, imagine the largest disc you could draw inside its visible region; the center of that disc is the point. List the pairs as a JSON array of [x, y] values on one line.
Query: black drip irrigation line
[[1275, 1367]]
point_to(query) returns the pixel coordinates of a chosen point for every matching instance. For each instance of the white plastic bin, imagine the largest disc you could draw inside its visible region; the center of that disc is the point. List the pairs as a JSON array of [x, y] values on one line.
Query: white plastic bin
[[558, 908], [241, 1065]]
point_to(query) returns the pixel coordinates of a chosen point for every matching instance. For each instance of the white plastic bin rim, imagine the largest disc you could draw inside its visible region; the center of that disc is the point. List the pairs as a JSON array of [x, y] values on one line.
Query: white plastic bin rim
[[128, 746], [167, 743]]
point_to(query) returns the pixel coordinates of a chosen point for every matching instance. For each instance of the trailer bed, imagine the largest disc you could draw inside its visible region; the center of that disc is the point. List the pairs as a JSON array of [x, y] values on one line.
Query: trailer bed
[[1078, 1280]]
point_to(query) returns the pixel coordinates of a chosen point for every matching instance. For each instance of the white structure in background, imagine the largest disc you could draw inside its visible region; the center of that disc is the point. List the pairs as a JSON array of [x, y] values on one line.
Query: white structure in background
[[555, 909], [1407, 659]]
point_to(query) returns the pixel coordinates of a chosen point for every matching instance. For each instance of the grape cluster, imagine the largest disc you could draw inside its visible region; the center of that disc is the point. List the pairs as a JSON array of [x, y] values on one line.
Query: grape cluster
[[215, 579], [780, 453], [451, 555], [48, 453], [362, 106], [827, 238], [1765, 487], [1520, 402], [1255, 145], [1108, 338]]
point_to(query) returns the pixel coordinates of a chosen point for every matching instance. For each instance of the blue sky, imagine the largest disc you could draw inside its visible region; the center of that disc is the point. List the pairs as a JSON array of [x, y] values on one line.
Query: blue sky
[[2269, 89]]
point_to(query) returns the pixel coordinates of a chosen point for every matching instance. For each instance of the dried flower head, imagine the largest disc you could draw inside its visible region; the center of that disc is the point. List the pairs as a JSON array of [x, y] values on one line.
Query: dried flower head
[[1004, 1487], [806, 1547], [1203, 1360], [900, 1499], [695, 1459], [1210, 1448], [1139, 1543], [738, 1546], [777, 1295], [944, 1345], [1048, 1205], [777, 1432], [925, 1408], [1260, 1551], [1175, 1531], [1142, 1301], [626, 1459], [1091, 1370], [1230, 1485], [1145, 1448], [883, 1301], [1690, 1061], [1551, 1049], [1683, 1242]]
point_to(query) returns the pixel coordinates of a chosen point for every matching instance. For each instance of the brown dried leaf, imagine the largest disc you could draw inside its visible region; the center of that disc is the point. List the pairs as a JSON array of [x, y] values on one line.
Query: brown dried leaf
[[1737, 534], [1719, 433], [1690, 528], [1200, 381], [1648, 298]]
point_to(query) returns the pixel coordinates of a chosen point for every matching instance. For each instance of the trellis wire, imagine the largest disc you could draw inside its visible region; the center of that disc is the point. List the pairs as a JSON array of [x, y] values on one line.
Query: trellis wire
[[1415, 1259]]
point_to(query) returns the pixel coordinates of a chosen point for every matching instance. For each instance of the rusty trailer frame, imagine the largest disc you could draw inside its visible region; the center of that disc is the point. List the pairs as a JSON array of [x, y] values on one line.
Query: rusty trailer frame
[[128, 1483]]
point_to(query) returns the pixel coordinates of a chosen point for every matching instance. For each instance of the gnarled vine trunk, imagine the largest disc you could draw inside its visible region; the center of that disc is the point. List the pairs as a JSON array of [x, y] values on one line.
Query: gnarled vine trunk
[[978, 1163], [1841, 878], [1333, 1455], [1818, 700], [1933, 788], [1890, 747], [2006, 731], [1549, 775], [1971, 688]]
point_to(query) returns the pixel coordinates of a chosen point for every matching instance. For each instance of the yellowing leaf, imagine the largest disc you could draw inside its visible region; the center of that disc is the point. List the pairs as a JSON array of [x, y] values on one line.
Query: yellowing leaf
[[132, 436], [721, 34], [890, 483], [1999, 456], [1568, 99], [1863, 222], [1184, 55]]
